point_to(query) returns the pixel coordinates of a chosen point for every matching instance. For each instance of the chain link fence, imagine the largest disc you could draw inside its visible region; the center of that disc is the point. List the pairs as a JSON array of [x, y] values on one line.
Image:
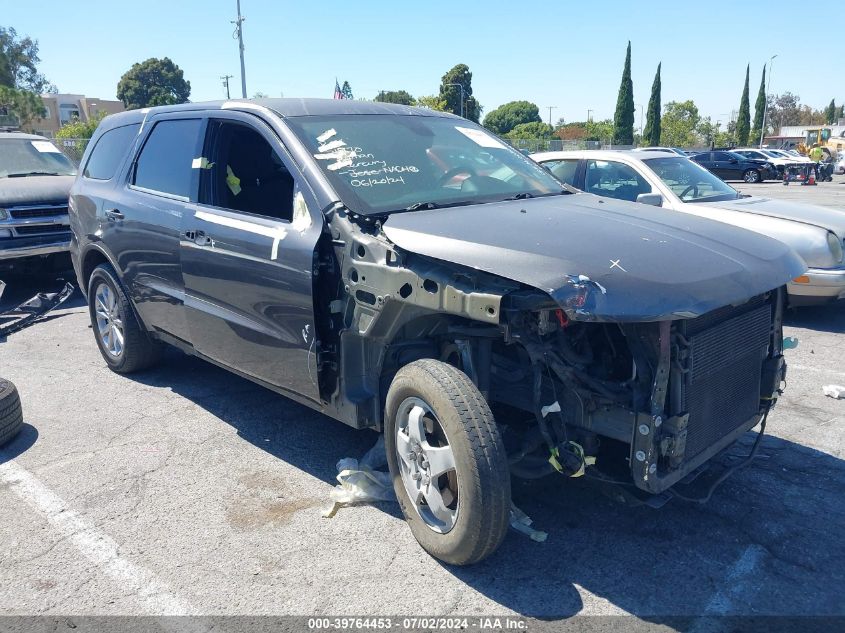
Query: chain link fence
[[531, 146], [73, 148]]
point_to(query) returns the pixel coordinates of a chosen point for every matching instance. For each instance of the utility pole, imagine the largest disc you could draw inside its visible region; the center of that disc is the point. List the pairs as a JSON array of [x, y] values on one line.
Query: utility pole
[[226, 79], [461, 86], [239, 33], [766, 105], [589, 115], [550, 112]]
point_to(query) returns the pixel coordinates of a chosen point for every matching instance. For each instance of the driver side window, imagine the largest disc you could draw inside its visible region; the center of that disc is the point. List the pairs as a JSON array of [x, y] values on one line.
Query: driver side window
[[615, 180], [242, 172]]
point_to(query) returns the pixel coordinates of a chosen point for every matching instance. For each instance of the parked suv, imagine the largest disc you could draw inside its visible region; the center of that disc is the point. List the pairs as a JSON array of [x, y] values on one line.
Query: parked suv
[[35, 179], [404, 270]]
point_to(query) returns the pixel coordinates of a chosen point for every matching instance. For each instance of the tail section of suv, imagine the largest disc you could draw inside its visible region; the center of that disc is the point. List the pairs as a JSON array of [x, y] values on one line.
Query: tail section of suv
[[404, 270]]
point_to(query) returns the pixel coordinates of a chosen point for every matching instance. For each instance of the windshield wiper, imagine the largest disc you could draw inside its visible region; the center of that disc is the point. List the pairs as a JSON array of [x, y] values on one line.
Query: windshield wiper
[[521, 196], [24, 174], [420, 205]]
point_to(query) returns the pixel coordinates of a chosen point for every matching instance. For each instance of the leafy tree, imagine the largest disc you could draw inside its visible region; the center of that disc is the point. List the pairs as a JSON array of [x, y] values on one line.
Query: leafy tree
[[18, 61], [346, 90], [22, 104], [80, 129], [396, 96], [573, 131], [508, 116], [651, 134], [153, 82], [600, 130], [532, 130], [451, 93], [260, 95], [830, 112], [760, 107], [433, 102], [679, 124], [743, 122], [840, 114], [623, 119]]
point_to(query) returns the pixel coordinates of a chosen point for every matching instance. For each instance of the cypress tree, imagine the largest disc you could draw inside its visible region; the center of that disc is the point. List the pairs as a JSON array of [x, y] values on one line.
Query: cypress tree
[[760, 107], [830, 112], [743, 123], [623, 119], [651, 134]]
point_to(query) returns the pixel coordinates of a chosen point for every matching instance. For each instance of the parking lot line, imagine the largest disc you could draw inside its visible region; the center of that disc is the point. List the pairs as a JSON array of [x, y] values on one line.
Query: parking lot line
[[94, 545]]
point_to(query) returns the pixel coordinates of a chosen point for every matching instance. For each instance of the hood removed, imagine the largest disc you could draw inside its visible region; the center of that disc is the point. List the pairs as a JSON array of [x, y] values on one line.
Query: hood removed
[[602, 259]]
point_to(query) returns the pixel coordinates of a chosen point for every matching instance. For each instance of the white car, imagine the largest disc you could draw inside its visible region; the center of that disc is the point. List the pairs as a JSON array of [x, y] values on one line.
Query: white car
[[839, 167], [759, 154], [674, 150], [795, 156], [666, 180]]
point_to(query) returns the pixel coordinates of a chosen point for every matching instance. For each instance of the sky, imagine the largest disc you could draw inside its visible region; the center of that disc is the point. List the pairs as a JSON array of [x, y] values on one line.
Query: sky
[[564, 54]]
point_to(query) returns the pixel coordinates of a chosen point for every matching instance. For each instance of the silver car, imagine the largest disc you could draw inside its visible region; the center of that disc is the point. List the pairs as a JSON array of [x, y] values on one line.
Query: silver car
[[667, 180]]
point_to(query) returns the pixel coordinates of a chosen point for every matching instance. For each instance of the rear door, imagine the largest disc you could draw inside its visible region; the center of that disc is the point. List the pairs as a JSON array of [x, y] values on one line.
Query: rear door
[[141, 224], [248, 256]]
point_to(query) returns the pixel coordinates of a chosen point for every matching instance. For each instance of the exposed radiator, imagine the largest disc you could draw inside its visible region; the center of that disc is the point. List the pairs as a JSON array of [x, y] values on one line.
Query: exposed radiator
[[722, 386]]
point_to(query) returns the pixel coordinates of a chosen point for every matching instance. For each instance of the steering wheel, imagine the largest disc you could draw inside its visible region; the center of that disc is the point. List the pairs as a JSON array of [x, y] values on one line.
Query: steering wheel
[[691, 188], [455, 171]]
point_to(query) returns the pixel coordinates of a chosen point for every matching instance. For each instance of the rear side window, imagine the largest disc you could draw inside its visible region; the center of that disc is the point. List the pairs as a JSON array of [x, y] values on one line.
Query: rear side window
[[164, 164], [109, 152]]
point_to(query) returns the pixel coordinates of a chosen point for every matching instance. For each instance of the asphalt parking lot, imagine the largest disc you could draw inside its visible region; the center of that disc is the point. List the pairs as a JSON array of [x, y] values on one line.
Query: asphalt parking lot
[[187, 490]]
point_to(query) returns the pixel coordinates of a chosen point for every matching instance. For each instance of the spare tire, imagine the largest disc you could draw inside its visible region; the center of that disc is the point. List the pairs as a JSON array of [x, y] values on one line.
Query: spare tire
[[11, 414]]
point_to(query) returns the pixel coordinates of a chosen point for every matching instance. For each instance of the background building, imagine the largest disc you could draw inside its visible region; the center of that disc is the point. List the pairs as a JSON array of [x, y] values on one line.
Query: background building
[[63, 108]]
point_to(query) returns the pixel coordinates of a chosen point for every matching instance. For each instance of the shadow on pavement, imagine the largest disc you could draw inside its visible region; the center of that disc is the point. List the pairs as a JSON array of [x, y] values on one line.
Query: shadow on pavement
[[827, 318], [23, 441], [785, 513]]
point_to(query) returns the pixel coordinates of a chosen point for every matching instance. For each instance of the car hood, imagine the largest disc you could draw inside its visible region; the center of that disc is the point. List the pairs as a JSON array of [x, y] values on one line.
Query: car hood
[[830, 219], [34, 190], [603, 260]]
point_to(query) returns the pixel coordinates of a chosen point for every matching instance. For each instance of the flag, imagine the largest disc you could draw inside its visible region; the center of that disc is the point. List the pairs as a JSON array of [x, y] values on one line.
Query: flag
[[338, 94]]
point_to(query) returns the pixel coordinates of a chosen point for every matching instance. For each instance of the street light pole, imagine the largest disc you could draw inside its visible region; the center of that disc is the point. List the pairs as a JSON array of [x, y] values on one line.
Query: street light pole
[[766, 105], [550, 112], [239, 33], [461, 86], [641, 120], [589, 112]]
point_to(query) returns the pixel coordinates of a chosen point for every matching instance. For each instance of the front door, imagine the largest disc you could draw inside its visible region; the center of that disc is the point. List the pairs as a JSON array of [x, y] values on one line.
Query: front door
[[247, 252]]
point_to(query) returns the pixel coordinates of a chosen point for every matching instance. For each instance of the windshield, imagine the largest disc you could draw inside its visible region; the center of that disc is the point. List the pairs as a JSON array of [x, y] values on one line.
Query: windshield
[[21, 157], [383, 163], [690, 181]]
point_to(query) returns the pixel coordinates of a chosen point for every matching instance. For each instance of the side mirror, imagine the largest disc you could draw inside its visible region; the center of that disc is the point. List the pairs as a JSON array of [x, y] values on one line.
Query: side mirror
[[654, 199]]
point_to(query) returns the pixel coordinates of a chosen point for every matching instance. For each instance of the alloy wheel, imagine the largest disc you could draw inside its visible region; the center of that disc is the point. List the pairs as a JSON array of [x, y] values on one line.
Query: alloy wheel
[[109, 321], [427, 465]]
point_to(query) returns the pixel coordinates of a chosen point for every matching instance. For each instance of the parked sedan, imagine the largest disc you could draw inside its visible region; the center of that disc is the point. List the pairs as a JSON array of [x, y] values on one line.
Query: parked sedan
[[839, 167], [816, 233], [732, 166]]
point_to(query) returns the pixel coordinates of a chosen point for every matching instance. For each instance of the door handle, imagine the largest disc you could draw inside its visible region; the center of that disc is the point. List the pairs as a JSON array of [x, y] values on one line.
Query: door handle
[[199, 238], [114, 214]]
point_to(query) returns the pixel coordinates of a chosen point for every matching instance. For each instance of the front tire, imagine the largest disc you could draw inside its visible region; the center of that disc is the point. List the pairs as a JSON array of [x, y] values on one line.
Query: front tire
[[752, 176], [125, 345], [448, 462]]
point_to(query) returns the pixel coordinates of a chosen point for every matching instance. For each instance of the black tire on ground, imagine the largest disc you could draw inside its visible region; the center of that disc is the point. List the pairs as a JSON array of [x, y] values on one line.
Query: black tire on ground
[[752, 175], [481, 464], [139, 350], [11, 414]]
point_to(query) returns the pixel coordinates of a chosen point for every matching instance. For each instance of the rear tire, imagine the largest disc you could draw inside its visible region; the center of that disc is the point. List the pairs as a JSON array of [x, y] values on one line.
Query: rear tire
[[443, 444], [124, 343], [752, 176], [11, 414]]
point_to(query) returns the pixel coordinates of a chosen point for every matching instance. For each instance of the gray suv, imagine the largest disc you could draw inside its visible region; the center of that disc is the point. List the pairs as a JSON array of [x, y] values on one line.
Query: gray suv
[[404, 270]]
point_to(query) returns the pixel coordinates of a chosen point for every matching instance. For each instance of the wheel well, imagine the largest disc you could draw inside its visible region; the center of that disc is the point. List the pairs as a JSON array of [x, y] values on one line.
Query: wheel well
[[92, 259]]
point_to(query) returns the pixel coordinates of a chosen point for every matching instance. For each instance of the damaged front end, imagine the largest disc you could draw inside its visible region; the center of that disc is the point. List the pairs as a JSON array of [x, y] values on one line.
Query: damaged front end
[[650, 400]]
